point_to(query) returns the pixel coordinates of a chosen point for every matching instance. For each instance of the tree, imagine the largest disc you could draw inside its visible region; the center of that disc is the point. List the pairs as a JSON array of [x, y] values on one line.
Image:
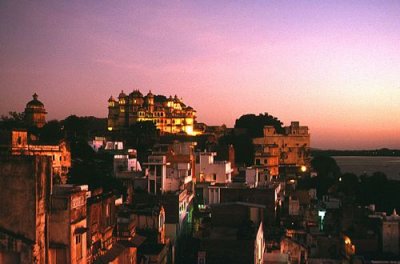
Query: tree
[[252, 126], [142, 136], [255, 124], [83, 127], [375, 190], [326, 167], [348, 184], [243, 145], [51, 132], [328, 174], [13, 120]]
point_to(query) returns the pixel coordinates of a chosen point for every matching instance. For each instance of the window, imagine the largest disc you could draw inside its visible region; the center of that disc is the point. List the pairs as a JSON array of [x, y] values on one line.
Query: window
[[78, 246], [107, 210], [11, 245], [158, 170], [108, 215], [19, 140], [214, 176]]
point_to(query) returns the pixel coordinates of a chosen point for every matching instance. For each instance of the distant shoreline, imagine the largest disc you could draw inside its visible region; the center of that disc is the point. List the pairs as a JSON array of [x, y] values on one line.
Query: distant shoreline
[[358, 153]]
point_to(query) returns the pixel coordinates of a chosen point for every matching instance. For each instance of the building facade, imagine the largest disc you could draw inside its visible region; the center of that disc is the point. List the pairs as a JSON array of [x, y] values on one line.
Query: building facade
[[209, 170], [59, 153], [169, 115], [24, 203], [171, 174], [289, 151], [101, 220], [391, 234], [68, 224]]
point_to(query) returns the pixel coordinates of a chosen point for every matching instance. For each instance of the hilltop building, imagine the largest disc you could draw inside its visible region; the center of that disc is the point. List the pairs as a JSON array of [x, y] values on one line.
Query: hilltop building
[[170, 115], [35, 113]]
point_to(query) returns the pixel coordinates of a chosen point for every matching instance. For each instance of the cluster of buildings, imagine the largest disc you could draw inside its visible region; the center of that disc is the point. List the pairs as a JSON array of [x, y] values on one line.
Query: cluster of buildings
[[181, 205], [336, 230], [62, 223]]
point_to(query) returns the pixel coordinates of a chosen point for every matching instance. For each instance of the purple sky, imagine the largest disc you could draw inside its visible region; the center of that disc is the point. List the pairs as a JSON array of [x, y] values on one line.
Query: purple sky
[[334, 66]]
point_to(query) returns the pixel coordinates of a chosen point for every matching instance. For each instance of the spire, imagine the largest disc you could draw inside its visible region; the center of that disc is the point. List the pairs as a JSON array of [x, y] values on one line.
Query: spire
[[35, 96]]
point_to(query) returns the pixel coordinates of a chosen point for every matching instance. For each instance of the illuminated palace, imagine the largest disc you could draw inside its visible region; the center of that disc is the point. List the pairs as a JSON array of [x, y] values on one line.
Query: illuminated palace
[[170, 115]]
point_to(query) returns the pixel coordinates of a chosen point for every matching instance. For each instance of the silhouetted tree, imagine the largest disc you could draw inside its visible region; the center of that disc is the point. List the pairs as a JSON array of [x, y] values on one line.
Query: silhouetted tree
[[84, 127], [12, 120], [374, 190], [326, 167], [142, 136], [251, 126], [328, 173], [254, 124], [348, 184], [51, 132]]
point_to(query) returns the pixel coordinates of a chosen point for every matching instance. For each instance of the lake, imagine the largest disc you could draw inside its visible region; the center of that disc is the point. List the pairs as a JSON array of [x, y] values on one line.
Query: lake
[[360, 165]]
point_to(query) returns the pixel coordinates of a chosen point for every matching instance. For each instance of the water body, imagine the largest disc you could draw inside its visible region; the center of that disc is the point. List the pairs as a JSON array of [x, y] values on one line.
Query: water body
[[361, 165]]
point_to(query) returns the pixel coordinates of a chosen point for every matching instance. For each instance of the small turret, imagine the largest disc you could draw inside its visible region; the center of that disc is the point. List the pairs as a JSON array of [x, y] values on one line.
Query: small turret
[[111, 101], [35, 113], [150, 102]]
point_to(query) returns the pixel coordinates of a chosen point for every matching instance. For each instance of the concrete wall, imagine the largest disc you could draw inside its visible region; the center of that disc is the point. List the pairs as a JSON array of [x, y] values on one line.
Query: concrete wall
[[252, 177], [24, 198], [390, 237], [59, 221], [212, 171], [83, 238]]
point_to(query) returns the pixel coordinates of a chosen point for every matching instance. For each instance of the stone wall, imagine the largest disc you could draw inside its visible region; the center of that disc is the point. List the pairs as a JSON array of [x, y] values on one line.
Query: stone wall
[[24, 199]]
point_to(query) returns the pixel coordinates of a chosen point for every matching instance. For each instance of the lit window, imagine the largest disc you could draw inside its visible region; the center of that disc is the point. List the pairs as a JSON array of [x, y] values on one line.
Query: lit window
[[78, 246]]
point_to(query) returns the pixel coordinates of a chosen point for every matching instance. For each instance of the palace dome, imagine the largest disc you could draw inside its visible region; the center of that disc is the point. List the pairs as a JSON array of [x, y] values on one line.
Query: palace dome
[[35, 103], [136, 93], [122, 94], [150, 94], [35, 114]]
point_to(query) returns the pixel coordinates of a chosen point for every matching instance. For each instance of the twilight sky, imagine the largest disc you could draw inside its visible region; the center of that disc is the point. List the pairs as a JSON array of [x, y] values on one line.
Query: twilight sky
[[332, 65]]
